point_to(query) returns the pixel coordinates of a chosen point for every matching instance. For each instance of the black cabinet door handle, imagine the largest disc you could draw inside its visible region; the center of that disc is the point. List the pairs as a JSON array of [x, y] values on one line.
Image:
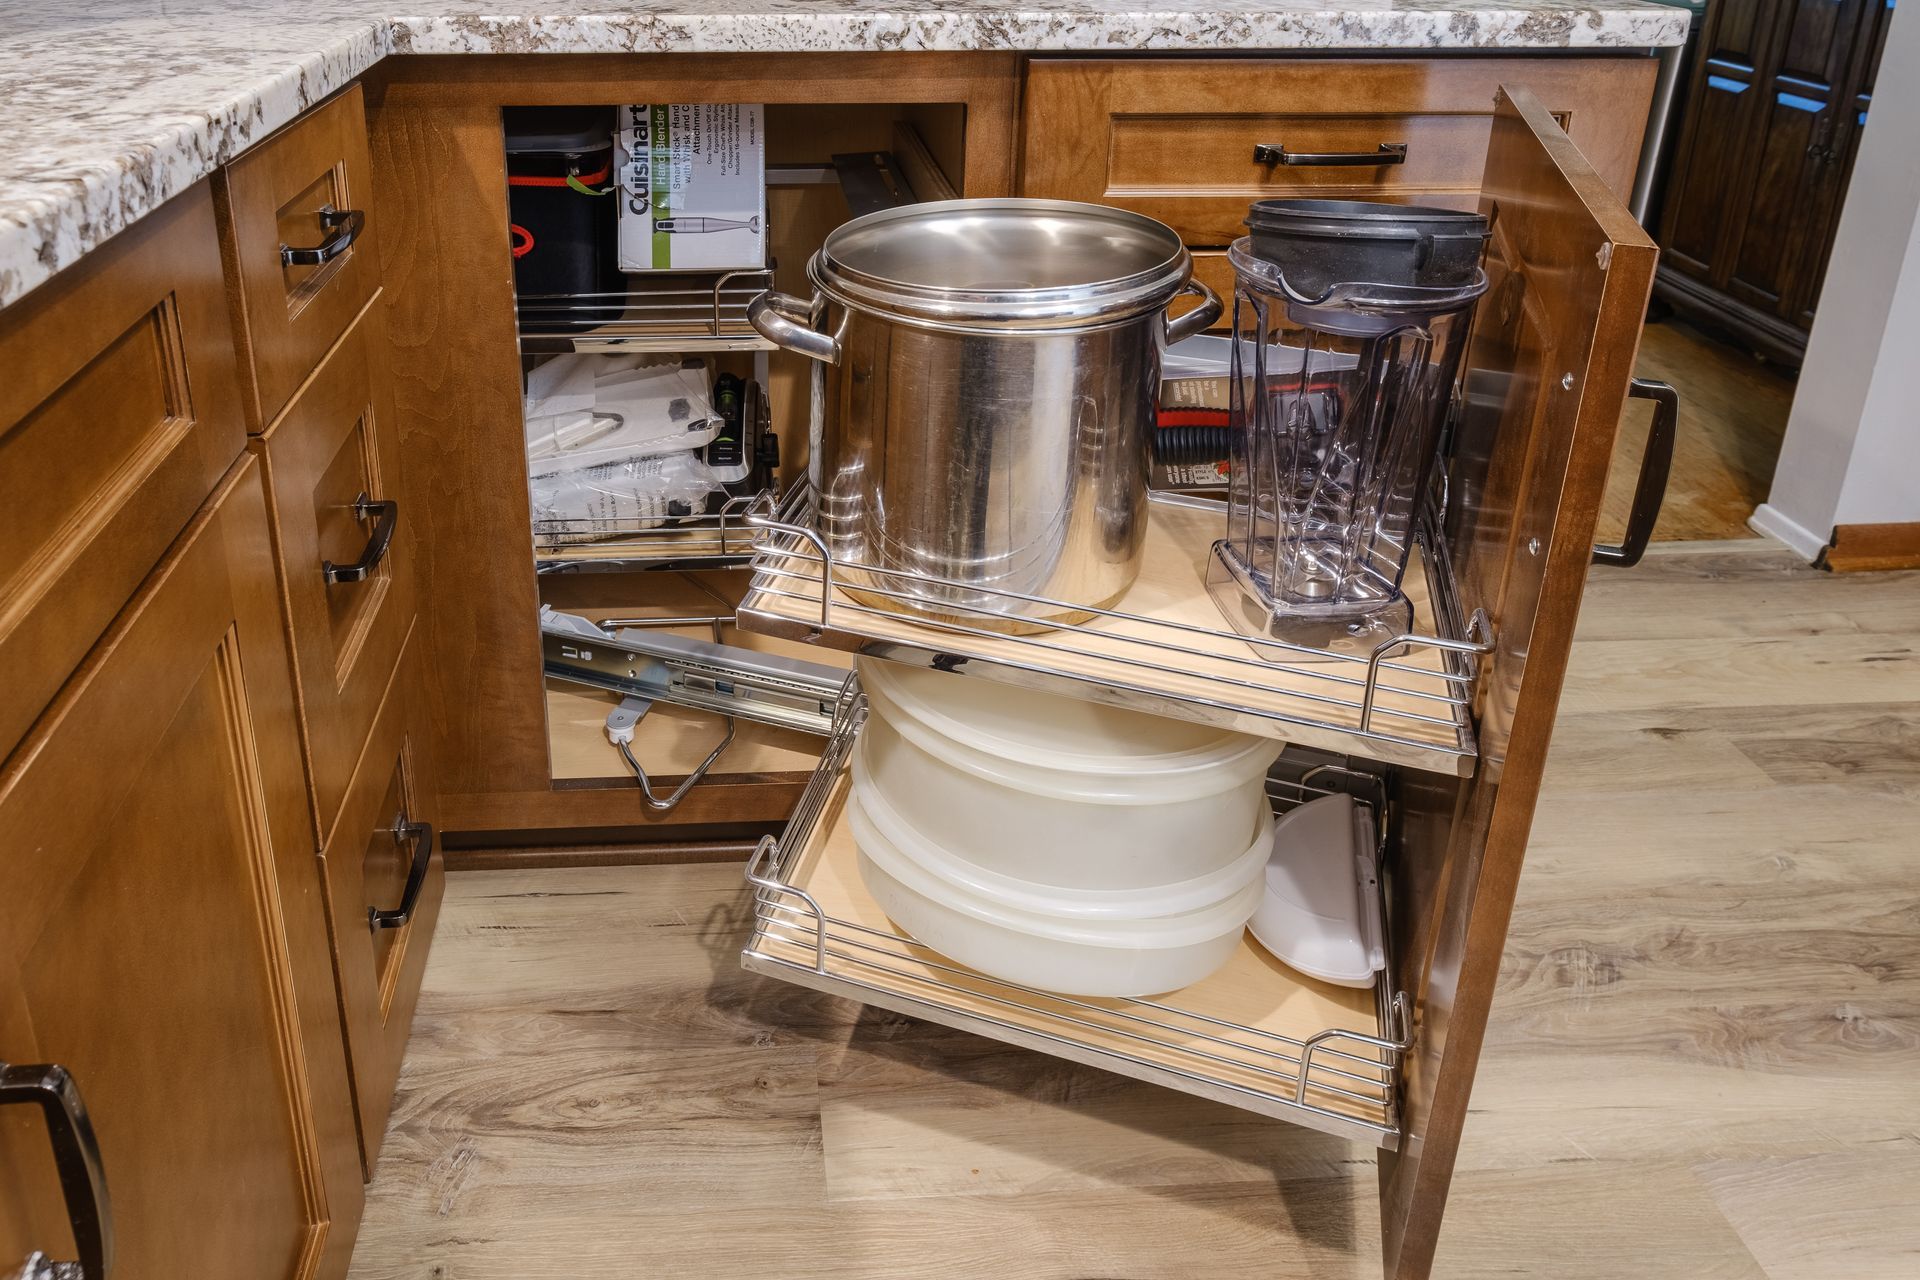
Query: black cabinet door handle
[[386, 516], [421, 835], [1655, 463], [76, 1155], [1277, 153], [341, 226]]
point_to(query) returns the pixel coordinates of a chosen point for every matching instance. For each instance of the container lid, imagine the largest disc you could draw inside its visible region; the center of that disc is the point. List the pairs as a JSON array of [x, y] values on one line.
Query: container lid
[[1026, 726], [1003, 264], [1319, 913], [558, 130], [1363, 219], [1383, 299]]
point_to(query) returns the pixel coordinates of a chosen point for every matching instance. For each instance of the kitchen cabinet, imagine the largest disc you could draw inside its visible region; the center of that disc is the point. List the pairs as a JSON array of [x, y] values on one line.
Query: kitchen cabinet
[[304, 743], [441, 191], [1779, 92], [163, 937]]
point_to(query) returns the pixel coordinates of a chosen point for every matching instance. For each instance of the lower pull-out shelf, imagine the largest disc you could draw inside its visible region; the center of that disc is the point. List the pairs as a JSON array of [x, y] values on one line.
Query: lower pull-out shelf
[[1255, 1035]]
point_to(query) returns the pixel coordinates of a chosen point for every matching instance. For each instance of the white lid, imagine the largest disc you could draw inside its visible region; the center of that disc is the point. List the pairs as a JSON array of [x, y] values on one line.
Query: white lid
[[1047, 728], [1319, 913]]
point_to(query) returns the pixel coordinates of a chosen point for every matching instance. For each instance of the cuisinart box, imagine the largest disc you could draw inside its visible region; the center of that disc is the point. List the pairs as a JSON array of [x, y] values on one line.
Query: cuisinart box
[[693, 187]]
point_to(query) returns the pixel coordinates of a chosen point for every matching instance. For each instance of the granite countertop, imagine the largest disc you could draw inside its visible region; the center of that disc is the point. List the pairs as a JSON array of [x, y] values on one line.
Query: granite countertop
[[108, 110]]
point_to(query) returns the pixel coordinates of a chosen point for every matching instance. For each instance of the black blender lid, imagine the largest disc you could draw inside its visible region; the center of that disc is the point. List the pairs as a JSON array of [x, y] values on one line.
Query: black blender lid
[[558, 130], [1360, 217]]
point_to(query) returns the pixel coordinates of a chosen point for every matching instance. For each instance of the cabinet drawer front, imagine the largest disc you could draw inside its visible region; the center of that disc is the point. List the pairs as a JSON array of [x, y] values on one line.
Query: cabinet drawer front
[[1177, 140], [118, 414], [386, 824], [333, 470], [275, 199]]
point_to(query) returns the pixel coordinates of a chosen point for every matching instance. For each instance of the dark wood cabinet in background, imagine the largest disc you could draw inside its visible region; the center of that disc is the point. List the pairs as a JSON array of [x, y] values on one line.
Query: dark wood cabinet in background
[[1778, 96]]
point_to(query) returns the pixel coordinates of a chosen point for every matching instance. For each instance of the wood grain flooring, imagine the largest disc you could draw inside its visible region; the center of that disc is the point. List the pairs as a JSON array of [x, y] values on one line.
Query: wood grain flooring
[[1704, 1059], [1733, 413]]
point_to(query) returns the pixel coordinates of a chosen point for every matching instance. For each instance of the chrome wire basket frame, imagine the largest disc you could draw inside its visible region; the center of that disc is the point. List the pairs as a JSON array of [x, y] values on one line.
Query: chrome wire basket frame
[[670, 316], [1378, 704], [720, 539], [1338, 1080]]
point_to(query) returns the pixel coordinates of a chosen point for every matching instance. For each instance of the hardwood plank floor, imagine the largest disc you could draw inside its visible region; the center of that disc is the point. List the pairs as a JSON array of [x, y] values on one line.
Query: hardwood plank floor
[[1702, 1060], [1733, 413]]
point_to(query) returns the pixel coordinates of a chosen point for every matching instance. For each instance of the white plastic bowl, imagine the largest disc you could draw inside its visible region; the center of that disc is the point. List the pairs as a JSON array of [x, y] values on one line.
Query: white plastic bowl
[[1132, 957], [1102, 904], [1054, 790]]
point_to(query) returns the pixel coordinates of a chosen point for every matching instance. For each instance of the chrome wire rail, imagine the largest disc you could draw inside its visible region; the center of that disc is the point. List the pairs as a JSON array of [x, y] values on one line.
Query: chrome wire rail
[[1341, 1081], [1378, 704], [716, 540], [672, 316]]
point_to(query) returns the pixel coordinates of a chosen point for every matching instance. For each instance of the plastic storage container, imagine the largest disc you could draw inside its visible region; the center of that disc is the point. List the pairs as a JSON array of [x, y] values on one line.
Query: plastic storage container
[[1058, 791], [561, 202], [1051, 950]]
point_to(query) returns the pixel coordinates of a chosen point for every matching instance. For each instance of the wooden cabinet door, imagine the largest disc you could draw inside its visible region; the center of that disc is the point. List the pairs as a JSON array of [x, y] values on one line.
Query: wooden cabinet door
[[119, 412], [345, 565], [385, 879], [1722, 115], [1551, 356], [162, 935], [1791, 193]]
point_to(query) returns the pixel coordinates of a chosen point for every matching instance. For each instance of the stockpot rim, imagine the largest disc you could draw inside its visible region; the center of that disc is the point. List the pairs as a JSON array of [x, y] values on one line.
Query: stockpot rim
[[1082, 306]]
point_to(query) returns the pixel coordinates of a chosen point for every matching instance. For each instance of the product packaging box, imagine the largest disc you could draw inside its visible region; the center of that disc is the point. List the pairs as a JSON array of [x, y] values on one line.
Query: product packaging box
[[693, 187], [1191, 444]]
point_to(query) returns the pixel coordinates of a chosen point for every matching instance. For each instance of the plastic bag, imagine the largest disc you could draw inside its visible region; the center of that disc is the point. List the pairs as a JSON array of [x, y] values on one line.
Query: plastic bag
[[586, 410], [607, 499]]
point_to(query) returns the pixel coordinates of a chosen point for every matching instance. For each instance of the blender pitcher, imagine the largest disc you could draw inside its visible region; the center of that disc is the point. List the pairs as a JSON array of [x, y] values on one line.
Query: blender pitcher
[[1338, 400]]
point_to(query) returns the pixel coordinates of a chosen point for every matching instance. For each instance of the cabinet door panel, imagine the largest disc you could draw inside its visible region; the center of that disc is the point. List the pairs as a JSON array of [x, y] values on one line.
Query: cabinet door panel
[[118, 415], [1793, 188], [162, 935], [336, 443], [367, 870], [1552, 353]]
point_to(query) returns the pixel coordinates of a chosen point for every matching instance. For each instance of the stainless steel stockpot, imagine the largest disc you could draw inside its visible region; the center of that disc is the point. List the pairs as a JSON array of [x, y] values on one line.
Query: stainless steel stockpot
[[999, 364]]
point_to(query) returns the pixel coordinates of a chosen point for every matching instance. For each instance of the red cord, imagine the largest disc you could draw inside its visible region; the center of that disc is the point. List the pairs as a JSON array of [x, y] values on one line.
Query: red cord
[[524, 246], [587, 178], [1171, 417]]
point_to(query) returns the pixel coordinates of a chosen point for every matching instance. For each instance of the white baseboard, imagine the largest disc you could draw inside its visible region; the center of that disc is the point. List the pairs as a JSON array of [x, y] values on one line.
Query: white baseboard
[[1774, 523]]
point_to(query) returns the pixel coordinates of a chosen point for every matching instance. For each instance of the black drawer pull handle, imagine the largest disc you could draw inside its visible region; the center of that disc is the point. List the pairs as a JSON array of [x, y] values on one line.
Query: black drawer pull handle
[[364, 508], [76, 1155], [342, 225], [1651, 489], [1277, 153], [421, 835]]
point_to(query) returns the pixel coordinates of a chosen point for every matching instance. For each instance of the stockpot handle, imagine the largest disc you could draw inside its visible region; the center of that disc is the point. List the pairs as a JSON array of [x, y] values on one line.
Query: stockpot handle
[[1198, 320], [781, 319]]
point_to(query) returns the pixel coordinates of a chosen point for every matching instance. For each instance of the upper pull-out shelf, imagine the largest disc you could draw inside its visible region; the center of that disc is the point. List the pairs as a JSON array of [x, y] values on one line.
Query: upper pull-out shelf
[[1164, 648]]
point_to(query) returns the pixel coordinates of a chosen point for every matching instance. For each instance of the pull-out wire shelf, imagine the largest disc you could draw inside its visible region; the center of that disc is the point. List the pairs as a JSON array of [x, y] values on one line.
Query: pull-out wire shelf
[[1163, 648], [675, 314], [1255, 1035], [720, 539]]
